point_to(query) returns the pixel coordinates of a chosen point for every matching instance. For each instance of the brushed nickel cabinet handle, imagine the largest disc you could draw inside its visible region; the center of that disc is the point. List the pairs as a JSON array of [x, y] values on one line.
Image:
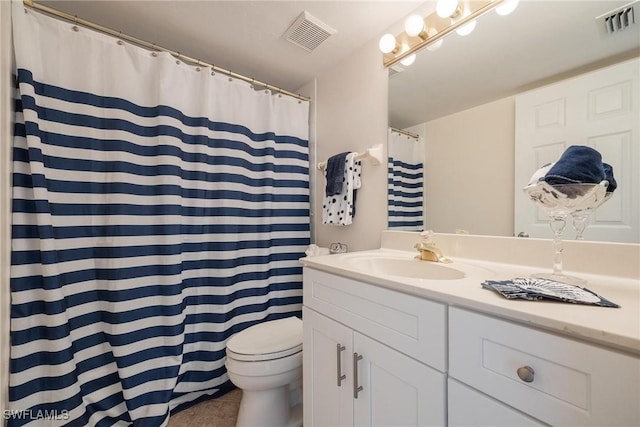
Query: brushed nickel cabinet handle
[[339, 349], [356, 387], [526, 373]]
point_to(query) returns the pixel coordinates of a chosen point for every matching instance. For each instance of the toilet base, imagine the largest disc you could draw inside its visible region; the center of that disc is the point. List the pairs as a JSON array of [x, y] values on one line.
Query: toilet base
[[296, 416], [265, 409]]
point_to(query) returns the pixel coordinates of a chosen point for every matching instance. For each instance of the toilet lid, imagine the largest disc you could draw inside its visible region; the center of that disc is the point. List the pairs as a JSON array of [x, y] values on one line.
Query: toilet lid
[[267, 340]]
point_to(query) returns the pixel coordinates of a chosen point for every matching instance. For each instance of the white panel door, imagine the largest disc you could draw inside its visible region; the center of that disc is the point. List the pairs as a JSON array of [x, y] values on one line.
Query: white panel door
[[326, 404], [599, 109], [396, 389]]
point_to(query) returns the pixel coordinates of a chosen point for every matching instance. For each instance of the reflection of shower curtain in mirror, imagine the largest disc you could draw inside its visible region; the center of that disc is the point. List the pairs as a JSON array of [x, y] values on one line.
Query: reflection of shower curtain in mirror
[[405, 182]]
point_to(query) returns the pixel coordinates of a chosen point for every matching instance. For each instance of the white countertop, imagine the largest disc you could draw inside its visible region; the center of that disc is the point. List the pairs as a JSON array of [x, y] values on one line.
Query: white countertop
[[617, 328]]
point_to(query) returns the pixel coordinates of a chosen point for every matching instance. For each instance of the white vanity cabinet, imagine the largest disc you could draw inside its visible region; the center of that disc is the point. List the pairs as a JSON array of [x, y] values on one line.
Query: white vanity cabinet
[[375, 356], [372, 356], [557, 380]]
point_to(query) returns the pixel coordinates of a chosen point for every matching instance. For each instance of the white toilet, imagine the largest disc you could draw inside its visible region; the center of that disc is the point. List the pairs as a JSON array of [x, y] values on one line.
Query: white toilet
[[265, 362]]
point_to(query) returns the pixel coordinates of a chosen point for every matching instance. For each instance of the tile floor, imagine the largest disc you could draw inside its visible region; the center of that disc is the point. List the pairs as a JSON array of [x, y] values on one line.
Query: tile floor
[[220, 412]]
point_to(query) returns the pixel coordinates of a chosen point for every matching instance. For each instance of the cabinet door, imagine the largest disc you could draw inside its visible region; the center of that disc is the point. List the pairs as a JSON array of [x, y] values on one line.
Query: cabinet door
[[396, 389], [468, 407], [326, 404]]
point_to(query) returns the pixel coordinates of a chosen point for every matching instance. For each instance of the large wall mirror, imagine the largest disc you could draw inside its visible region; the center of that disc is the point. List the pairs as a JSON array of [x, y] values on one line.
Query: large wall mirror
[[460, 98]]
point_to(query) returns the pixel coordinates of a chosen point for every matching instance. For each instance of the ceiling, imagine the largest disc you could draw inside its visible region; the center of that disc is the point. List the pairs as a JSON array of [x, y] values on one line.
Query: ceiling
[[541, 41], [247, 36]]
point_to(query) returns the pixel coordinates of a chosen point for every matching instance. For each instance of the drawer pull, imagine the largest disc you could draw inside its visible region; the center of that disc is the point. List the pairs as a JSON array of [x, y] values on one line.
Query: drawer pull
[[339, 349], [526, 373], [356, 388]]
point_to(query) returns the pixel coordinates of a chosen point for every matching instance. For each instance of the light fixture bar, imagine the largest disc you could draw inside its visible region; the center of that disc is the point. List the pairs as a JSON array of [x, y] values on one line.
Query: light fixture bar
[[415, 46]]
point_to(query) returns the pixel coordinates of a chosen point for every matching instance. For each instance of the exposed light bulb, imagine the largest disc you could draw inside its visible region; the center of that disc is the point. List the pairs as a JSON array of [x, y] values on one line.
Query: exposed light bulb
[[434, 46], [409, 60], [506, 7], [387, 43], [467, 28], [446, 8], [413, 25]]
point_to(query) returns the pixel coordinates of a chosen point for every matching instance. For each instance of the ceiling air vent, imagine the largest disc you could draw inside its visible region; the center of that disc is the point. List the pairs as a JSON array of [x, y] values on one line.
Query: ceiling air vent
[[308, 32], [618, 19]]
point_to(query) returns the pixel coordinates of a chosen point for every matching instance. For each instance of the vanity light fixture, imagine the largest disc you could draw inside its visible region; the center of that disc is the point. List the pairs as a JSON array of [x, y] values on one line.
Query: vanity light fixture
[[446, 8], [428, 32], [507, 7], [388, 44], [409, 59], [437, 44], [414, 26], [467, 28]]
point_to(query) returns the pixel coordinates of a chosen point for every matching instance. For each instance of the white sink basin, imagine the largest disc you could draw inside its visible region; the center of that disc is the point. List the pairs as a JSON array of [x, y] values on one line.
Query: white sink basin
[[402, 266]]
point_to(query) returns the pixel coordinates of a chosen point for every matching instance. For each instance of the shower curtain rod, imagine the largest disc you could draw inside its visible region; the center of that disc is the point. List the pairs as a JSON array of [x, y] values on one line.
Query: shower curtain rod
[[404, 132], [154, 47]]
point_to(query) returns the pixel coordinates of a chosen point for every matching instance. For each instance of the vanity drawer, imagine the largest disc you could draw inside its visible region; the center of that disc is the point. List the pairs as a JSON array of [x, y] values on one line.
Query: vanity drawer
[[569, 382], [411, 325]]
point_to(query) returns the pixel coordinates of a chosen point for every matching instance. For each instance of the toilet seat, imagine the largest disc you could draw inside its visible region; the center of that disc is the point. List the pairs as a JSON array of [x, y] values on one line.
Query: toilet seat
[[270, 340]]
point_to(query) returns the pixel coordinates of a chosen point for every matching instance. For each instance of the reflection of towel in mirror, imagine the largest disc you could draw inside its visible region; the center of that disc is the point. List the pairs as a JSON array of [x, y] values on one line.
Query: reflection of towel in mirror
[[334, 173], [579, 164], [339, 209], [608, 175]]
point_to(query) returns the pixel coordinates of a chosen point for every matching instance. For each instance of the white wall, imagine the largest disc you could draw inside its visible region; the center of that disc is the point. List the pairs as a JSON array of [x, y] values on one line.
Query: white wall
[[469, 170], [351, 114], [6, 86]]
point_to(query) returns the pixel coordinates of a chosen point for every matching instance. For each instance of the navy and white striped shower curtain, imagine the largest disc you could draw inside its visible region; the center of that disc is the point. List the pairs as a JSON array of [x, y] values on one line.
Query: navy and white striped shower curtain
[[405, 182], [157, 210]]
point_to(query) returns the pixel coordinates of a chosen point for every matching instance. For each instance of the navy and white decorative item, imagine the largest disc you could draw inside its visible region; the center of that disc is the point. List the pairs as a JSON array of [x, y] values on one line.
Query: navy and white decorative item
[[574, 185], [157, 210], [538, 289]]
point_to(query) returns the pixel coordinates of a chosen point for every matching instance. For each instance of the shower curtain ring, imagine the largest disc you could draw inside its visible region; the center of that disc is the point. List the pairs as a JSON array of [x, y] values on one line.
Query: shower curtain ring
[[75, 23], [154, 52]]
